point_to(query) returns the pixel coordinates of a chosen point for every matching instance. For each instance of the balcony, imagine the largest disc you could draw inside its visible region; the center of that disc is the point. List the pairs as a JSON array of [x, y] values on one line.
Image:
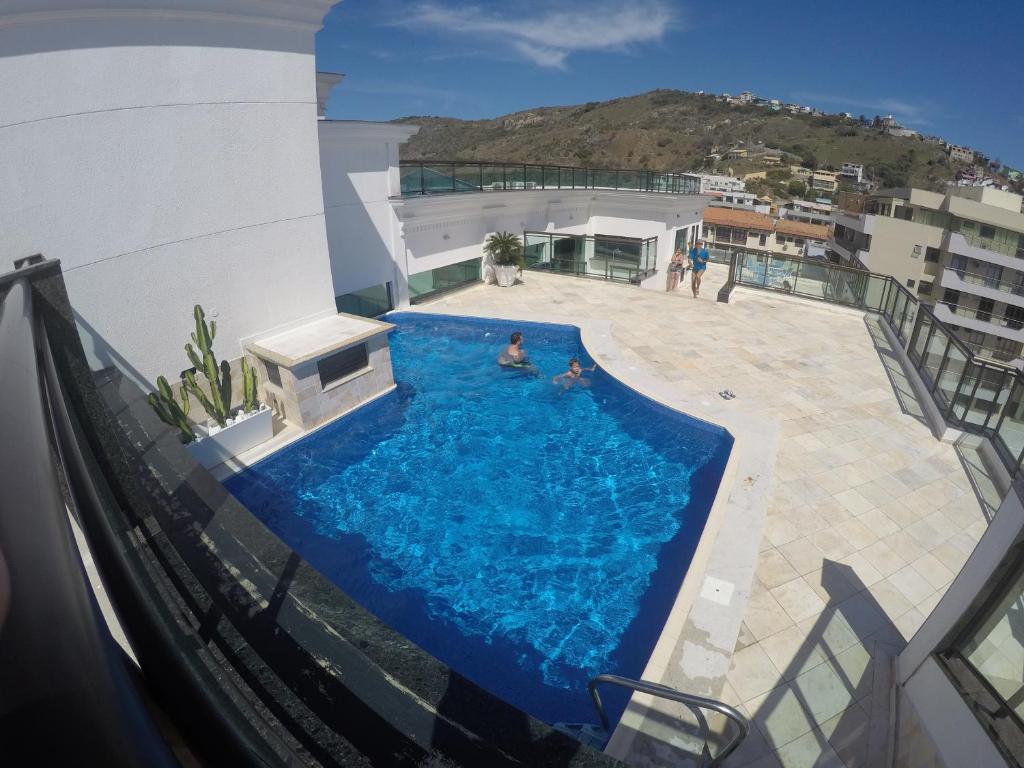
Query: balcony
[[980, 320], [992, 252], [447, 177], [1008, 291]]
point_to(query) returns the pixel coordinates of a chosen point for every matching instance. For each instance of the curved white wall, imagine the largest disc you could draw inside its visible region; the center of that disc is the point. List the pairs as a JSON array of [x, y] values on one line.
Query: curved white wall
[[167, 154]]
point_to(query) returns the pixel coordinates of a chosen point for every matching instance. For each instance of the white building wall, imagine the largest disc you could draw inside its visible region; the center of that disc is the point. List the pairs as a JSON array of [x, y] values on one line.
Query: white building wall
[[446, 229], [166, 152], [359, 167]]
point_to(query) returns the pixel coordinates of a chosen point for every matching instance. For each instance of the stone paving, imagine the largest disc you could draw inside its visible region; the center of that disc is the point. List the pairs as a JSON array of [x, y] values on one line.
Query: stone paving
[[869, 517]]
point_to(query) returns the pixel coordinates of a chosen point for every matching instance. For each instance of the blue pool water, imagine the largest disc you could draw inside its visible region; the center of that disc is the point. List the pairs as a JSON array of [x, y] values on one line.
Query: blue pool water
[[527, 536]]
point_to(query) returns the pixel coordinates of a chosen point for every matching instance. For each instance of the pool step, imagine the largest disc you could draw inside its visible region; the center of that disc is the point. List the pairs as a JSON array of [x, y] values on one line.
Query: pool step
[[586, 733]]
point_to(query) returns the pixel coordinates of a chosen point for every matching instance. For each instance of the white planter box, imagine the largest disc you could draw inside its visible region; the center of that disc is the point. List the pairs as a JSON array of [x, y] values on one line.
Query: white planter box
[[234, 439], [505, 274]]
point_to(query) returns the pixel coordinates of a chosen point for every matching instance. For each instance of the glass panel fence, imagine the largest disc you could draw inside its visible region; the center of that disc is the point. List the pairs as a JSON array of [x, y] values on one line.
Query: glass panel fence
[[780, 273], [536, 248], [1010, 431], [953, 370], [515, 177], [920, 341], [874, 293], [934, 355], [812, 280], [467, 176], [534, 177], [435, 281], [552, 177], [990, 396], [368, 302], [909, 317]]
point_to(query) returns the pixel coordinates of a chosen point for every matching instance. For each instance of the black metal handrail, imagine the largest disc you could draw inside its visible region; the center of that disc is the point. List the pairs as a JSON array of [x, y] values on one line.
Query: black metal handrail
[[695, 703], [431, 177], [66, 694]]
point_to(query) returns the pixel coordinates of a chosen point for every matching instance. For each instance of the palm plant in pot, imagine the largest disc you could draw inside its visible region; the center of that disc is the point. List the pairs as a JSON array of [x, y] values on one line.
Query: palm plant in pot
[[505, 250]]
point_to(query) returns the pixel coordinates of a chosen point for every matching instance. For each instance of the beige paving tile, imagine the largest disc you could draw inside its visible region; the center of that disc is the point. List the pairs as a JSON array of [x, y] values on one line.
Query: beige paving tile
[[774, 570], [932, 570], [803, 555], [858, 533], [909, 623], [862, 571], [823, 692], [831, 584], [911, 584], [883, 557], [780, 716], [779, 529], [798, 600], [879, 525], [854, 501], [890, 599], [752, 673], [812, 750], [791, 653], [847, 734], [764, 616], [832, 543]]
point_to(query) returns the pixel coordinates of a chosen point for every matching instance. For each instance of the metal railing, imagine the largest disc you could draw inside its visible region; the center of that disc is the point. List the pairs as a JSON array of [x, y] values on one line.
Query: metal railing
[[695, 704], [1016, 287], [434, 177], [983, 315], [1015, 250]]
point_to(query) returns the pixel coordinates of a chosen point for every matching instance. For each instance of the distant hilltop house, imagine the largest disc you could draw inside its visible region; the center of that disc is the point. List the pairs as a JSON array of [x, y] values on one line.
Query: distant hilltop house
[[730, 228], [960, 154], [889, 125], [854, 171]]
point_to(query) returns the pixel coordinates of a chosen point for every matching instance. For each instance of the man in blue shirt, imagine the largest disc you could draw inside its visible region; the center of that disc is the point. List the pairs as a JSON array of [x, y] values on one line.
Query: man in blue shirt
[[699, 261]]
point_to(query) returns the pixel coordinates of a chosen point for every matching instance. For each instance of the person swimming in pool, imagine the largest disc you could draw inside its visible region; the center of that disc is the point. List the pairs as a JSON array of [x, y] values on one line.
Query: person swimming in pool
[[573, 376], [514, 355]]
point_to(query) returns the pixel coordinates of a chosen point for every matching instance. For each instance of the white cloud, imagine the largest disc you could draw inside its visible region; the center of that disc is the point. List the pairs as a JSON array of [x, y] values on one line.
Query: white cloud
[[903, 110], [548, 35]]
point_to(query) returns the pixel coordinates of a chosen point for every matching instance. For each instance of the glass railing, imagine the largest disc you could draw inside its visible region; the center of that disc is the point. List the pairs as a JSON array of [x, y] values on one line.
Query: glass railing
[[425, 285], [1004, 247], [972, 391], [1016, 287], [628, 260], [446, 177], [985, 316]]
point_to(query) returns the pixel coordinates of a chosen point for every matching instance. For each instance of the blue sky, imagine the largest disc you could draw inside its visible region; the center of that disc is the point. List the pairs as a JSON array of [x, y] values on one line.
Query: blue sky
[[946, 68]]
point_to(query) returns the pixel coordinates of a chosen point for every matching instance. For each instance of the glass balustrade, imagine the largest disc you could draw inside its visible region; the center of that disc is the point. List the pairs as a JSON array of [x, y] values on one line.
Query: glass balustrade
[[432, 178]]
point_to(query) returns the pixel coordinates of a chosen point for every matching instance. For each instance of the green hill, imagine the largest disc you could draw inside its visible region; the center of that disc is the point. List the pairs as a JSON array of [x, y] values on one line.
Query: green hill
[[669, 130]]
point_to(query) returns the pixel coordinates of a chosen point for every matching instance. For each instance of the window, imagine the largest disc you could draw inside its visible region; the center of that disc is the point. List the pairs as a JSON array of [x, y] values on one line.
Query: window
[[951, 297], [931, 254], [341, 364], [763, 240], [959, 265], [985, 307], [987, 232], [1014, 318], [924, 289], [273, 373], [434, 281], [992, 275], [910, 283], [739, 236], [1008, 349], [867, 242], [798, 242]]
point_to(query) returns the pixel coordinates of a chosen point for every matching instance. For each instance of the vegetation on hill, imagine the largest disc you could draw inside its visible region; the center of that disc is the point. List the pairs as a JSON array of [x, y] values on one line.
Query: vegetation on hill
[[669, 130]]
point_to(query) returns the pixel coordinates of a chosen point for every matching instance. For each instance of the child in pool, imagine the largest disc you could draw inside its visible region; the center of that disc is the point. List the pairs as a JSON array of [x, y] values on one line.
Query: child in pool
[[574, 375]]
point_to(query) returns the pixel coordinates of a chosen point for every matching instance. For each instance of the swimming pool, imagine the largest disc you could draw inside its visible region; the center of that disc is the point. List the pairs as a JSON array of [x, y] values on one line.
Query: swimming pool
[[528, 536]]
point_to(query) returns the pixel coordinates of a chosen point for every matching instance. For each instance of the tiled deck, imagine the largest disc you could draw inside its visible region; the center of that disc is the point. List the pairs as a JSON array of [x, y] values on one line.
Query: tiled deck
[[868, 519]]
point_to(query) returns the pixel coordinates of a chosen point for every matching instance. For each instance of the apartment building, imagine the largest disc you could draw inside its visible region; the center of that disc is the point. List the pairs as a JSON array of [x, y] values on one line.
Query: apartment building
[[735, 230], [806, 211], [824, 181], [854, 171], [961, 251], [960, 154], [710, 182]]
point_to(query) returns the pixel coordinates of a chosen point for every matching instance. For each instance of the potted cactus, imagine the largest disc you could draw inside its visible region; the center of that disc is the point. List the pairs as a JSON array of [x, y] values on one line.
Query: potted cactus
[[229, 431], [505, 250]]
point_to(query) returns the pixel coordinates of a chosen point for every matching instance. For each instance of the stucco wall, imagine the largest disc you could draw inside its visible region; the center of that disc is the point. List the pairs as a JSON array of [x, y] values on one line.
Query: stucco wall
[[359, 166], [167, 156], [446, 229]]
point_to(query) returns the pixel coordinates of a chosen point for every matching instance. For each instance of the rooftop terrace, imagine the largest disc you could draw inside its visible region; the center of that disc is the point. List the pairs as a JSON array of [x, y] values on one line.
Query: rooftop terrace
[[859, 524]]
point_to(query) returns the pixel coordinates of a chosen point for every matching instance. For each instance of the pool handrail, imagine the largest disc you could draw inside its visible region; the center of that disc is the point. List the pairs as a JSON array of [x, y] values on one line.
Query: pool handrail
[[695, 703]]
